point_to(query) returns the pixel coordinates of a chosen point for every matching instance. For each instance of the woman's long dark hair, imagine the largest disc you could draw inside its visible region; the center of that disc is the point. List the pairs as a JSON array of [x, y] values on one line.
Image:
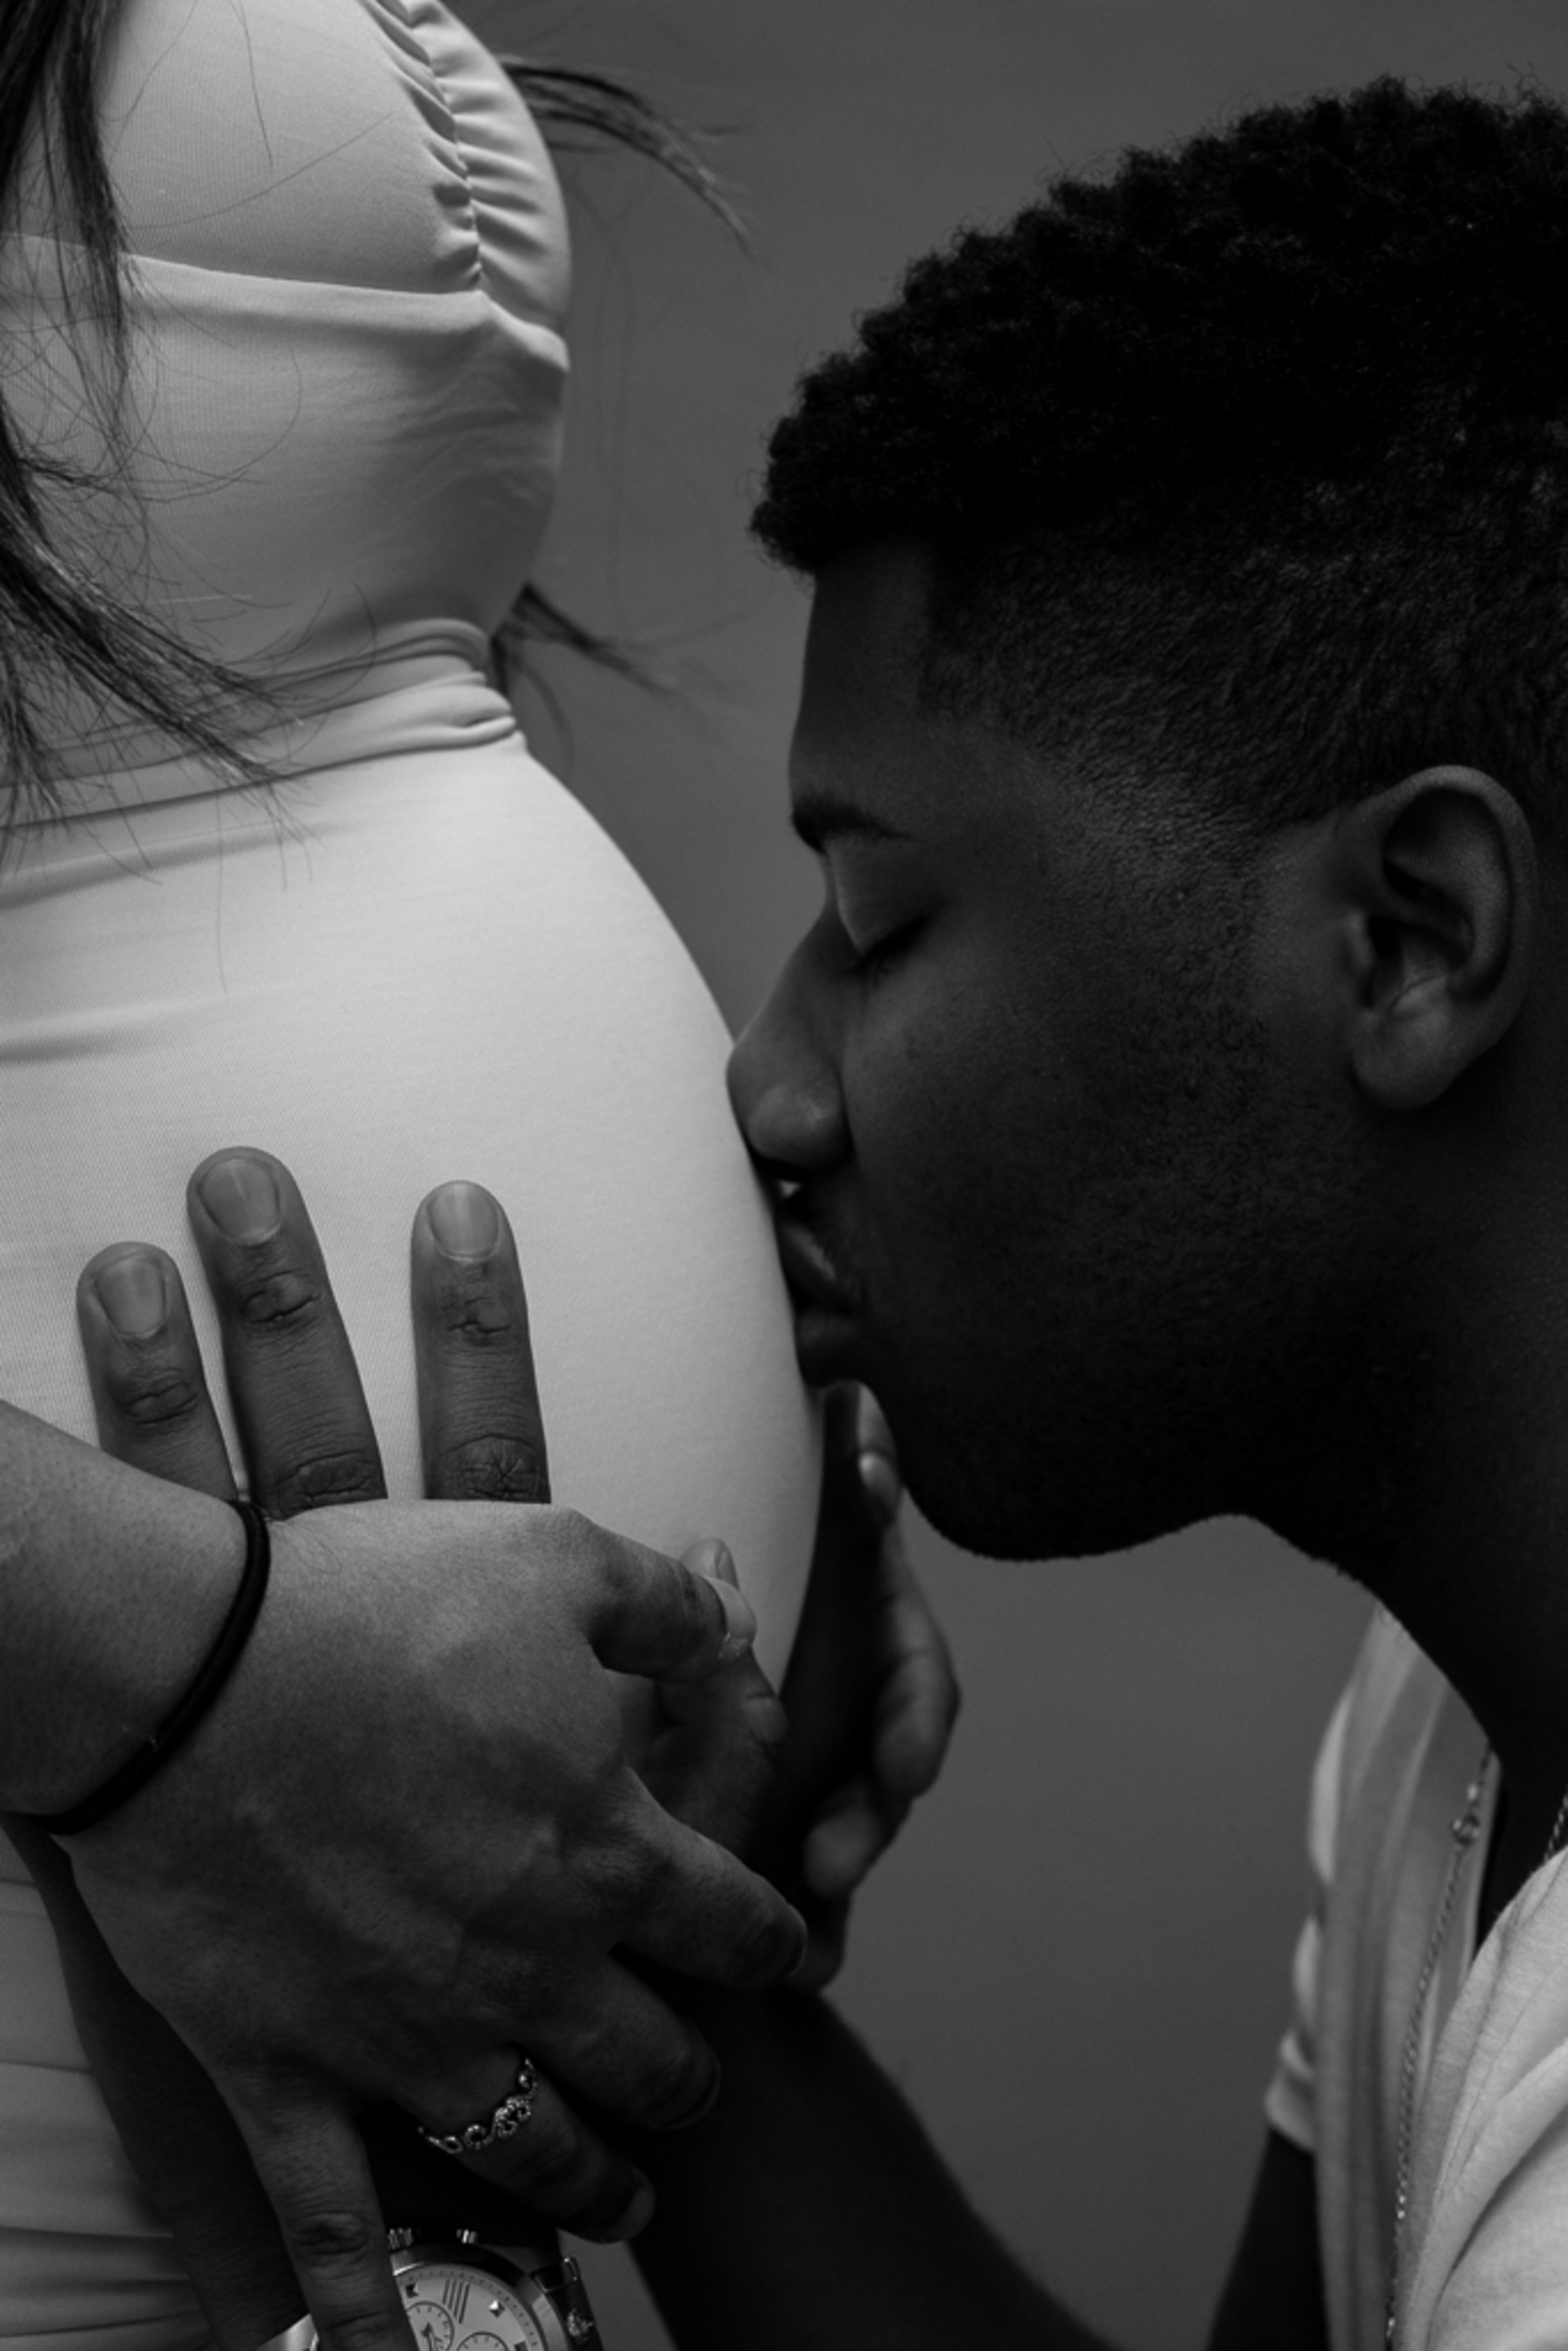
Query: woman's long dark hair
[[59, 627]]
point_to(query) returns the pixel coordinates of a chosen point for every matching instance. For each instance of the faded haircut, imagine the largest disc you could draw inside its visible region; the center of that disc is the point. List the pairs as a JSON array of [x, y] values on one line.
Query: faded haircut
[[1248, 461]]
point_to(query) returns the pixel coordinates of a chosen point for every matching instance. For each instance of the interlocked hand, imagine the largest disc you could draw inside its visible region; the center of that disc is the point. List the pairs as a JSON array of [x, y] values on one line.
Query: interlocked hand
[[409, 1840]]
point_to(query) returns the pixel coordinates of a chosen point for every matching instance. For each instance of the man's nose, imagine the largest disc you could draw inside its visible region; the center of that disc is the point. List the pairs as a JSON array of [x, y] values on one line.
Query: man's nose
[[785, 1090]]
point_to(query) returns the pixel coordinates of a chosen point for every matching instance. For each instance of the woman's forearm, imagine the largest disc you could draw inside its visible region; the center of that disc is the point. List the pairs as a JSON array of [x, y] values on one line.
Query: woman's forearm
[[111, 1586], [809, 2207]]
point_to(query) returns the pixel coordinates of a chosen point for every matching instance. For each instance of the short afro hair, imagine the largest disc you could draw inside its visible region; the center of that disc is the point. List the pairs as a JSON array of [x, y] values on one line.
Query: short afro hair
[[1251, 456]]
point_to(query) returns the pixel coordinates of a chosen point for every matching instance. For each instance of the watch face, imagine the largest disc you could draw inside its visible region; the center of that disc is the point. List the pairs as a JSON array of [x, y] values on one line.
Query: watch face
[[452, 2307]]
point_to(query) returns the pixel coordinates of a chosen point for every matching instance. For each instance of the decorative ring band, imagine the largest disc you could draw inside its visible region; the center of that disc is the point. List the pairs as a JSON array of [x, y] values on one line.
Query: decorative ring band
[[515, 2109]]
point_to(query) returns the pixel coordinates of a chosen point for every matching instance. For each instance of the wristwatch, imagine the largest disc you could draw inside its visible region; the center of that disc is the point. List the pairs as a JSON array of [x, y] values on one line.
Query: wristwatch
[[461, 2295]]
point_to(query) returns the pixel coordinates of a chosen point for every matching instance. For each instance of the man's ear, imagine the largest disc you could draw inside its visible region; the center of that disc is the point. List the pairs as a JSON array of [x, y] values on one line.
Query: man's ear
[[1434, 890]]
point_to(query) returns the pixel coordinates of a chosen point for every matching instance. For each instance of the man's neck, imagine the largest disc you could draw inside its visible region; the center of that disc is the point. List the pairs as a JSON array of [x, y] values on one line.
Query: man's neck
[[1464, 1539]]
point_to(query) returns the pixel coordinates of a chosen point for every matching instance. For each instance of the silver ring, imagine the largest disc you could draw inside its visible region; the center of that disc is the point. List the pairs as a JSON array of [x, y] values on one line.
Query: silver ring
[[515, 2109]]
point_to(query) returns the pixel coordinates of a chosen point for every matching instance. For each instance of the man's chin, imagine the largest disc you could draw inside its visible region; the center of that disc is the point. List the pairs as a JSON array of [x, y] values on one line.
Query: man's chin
[[965, 1498], [982, 1508], [1002, 1495], [985, 1490], [942, 1478], [977, 1514]]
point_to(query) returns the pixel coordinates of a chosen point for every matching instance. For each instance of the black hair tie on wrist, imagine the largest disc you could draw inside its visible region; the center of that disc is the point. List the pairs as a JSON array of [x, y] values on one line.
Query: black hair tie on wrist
[[211, 1674]]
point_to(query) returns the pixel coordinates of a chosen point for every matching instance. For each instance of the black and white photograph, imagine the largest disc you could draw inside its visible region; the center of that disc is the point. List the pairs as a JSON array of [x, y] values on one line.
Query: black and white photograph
[[784, 1094]]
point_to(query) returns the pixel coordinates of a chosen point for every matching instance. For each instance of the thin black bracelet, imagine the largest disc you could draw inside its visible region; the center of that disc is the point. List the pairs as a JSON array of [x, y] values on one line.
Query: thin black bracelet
[[212, 1674]]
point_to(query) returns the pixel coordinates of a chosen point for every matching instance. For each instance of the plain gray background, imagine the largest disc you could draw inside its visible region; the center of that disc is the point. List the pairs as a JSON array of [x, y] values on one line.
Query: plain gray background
[[1076, 1961]]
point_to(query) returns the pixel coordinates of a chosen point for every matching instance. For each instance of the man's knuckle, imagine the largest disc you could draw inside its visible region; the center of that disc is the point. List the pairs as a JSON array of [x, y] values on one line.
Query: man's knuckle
[[329, 2238], [621, 1876], [364, 2329], [528, 1986], [653, 1879], [581, 1550], [622, 1574]]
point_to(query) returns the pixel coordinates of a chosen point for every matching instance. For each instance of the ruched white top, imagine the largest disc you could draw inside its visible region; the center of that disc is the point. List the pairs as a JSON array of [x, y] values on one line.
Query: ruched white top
[[416, 957]]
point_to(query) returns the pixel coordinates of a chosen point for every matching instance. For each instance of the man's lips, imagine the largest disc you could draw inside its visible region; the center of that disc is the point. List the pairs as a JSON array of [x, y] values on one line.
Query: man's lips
[[825, 1339], [809, 1268]]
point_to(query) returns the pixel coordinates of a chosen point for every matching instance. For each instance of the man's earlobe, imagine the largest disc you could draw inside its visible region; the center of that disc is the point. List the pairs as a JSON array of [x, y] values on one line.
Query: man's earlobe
[[1438, 889]]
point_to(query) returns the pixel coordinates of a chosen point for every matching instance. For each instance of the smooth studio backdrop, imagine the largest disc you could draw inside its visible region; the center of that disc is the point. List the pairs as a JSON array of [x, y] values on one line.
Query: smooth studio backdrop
[[1076, 1960]]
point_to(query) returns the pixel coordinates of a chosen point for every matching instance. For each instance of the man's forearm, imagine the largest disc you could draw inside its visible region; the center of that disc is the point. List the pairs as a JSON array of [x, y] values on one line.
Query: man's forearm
[[811, 2209], [111, 1586]]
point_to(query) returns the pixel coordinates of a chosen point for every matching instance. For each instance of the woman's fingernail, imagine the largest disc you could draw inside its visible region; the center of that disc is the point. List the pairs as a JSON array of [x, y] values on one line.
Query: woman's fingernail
[[464, 1218], [241, 1197], [131, 1293]]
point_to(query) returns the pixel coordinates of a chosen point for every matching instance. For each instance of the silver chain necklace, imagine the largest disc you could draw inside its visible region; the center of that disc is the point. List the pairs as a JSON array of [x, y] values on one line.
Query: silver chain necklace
[[1463, 1831]]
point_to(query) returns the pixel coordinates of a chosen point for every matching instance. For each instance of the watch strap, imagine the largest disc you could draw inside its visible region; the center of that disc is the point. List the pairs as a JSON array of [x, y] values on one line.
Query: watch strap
[[562, 2281]]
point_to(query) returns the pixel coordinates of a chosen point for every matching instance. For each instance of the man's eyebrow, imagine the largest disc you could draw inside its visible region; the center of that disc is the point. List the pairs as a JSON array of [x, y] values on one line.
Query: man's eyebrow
[[821, 817]]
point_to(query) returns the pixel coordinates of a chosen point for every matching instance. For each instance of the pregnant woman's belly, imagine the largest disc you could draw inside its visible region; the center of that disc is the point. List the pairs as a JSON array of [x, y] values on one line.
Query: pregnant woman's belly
[[417, 967]]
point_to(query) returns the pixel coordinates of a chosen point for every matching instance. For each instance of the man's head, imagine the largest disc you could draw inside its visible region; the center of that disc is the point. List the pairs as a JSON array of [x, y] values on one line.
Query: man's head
[[1185, 699]]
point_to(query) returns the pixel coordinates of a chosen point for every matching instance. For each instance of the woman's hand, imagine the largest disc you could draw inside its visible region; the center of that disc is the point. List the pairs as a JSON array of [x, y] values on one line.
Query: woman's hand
[[408, 1841]]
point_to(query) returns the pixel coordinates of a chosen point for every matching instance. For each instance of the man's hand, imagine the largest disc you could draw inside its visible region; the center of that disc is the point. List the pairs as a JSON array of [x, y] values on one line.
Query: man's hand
[[815, 1788], [870, 1693], [408, 1842]]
